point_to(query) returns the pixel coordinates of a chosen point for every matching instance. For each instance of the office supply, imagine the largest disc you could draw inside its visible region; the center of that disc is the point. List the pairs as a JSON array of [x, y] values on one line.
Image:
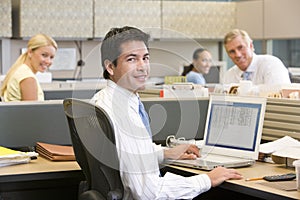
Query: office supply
[[232, 133], [254, 179], [279, 144], [93, 138], [287, 155], [172, 141], [282, 151], [273, 178], [280, 177], [13, 157], [55, 152]]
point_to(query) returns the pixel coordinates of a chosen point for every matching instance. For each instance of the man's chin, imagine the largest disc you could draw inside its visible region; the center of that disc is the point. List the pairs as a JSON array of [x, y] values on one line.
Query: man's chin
[[141, 88]]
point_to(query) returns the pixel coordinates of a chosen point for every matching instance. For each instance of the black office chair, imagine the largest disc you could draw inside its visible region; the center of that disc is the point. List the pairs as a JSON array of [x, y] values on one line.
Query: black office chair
[[93, 140]]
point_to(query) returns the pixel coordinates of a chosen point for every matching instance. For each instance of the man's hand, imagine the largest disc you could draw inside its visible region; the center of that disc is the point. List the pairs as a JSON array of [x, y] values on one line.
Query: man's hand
[[221, 174], [182, 151]]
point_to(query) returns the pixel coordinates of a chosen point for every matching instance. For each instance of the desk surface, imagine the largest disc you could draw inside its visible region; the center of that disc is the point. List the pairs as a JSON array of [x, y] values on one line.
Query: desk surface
[[41, 179], [40, 165], [38, 169], [254, 188]]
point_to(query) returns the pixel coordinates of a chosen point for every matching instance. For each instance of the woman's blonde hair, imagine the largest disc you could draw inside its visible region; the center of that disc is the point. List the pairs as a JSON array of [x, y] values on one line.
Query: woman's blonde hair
[[37, 41]]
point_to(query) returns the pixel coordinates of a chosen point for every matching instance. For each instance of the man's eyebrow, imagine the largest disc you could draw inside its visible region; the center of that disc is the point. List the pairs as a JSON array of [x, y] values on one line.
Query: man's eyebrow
[[129, 55], [135, 55]]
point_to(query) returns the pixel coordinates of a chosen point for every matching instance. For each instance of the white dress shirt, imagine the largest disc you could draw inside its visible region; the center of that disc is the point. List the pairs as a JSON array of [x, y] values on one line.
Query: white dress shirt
[[139, 157], [266, 69]]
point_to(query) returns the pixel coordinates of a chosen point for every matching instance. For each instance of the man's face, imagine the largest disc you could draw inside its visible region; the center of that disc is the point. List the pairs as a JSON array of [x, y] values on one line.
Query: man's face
[[240, 52], [133, 66]]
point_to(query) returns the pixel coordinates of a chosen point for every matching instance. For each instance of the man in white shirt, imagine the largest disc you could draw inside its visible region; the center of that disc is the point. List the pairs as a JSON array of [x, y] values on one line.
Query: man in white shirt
[[260, 69], [125, 58]]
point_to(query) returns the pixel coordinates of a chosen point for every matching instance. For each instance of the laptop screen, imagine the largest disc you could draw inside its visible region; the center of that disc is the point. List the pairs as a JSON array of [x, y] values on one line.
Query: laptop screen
[[234, 122]]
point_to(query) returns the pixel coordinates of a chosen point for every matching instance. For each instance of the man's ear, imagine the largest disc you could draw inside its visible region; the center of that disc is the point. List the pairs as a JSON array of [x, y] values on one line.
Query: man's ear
[[252, 46], [109, 67]]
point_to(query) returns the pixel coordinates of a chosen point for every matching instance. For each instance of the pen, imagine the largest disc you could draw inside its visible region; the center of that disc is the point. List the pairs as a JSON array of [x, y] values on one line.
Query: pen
[[253, 179]]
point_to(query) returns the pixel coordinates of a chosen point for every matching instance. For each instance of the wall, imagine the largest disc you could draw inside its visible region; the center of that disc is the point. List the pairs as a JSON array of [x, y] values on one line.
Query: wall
[[169, 53], [167, 57]]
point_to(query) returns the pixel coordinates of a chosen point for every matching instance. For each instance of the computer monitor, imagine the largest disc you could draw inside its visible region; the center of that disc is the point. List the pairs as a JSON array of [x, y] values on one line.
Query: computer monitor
[[179, 117]]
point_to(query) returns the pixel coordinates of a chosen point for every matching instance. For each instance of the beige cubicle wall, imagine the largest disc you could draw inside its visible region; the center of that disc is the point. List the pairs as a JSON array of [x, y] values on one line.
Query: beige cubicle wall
[[269, 19], [282, 118]]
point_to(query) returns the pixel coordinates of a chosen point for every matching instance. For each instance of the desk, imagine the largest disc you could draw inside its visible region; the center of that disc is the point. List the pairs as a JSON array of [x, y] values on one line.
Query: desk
[[40, 179], [241, 189]]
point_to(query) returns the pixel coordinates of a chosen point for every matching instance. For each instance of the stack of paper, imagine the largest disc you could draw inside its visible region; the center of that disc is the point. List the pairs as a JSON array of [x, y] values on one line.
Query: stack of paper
[[55, 152], [13, 157], [282, 151]]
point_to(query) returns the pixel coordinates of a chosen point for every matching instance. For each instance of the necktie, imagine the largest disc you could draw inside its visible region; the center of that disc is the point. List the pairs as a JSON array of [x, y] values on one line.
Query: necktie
[[247, 76], [144, 116]]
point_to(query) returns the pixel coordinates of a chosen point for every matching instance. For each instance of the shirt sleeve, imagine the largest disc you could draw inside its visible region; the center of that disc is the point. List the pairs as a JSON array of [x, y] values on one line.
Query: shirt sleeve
[[159, 150], [276, 72], [171, 186]]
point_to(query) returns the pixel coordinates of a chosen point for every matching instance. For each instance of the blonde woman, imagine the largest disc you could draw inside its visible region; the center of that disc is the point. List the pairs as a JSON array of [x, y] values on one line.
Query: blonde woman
[[20, 83]]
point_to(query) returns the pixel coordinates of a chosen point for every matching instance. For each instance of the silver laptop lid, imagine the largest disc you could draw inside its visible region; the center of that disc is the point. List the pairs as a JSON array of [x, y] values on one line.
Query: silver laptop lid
[[234, 126]]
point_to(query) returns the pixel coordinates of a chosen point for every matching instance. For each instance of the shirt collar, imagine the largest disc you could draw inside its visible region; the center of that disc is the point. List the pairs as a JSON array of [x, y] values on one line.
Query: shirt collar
[[252, 66], [124, 95]]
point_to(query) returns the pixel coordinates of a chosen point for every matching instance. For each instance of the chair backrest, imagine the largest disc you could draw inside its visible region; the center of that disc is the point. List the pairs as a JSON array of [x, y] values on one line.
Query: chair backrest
[[93, 140]]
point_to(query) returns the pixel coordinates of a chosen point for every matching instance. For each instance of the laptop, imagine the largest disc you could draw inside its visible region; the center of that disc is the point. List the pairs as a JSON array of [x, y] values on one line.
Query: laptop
[[232, 133]]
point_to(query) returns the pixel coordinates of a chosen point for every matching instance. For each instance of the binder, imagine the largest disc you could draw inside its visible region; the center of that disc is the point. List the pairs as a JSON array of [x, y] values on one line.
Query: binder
[[55, 152]]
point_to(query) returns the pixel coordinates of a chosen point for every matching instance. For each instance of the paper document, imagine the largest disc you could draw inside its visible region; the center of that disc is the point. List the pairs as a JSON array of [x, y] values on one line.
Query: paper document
[[13, 157], [282, 143], [289, 152]]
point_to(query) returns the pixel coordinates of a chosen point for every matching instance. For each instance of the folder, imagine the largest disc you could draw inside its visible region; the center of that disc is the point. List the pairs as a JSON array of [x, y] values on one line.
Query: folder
[[55, 152]]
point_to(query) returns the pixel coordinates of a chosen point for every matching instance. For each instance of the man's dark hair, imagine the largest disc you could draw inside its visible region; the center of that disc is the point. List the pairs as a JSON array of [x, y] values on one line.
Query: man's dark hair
[[111, 45]]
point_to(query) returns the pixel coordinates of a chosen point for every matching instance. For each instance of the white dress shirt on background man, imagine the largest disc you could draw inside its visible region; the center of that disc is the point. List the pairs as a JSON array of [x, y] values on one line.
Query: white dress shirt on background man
[[266, 69]]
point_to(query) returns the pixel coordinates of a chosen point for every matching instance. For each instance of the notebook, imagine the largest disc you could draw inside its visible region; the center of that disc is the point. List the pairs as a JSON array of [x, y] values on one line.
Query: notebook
[[232, 133]]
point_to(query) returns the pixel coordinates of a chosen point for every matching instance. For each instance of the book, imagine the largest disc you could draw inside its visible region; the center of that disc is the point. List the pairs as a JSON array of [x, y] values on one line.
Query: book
[[55, 152]]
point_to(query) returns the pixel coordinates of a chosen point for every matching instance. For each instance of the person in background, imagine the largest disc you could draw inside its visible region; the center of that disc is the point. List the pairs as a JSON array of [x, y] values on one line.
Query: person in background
[[202, 61], [125, 60], [260, 69], [20, 83]]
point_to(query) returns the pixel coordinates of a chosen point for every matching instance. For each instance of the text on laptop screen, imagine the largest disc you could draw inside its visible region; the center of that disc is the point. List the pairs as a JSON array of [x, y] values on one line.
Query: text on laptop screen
[[233, 125]]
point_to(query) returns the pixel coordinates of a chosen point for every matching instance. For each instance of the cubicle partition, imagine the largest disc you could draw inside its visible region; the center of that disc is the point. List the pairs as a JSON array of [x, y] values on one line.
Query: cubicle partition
[[179, 117], [22, 124]]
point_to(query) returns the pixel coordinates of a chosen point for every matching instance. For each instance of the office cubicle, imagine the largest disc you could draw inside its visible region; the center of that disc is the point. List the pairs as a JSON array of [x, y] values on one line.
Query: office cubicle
[[25, 123]]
